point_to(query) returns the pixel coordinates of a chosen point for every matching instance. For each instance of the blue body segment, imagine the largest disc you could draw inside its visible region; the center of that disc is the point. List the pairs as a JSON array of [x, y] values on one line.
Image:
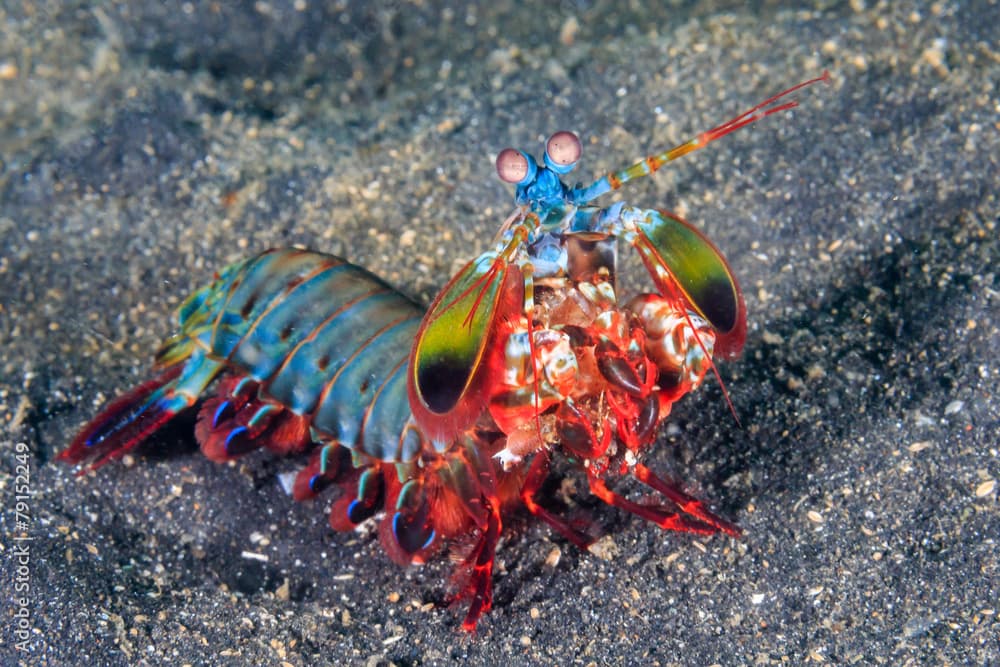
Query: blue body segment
[[263, 281], [390, 408], [359, 382], [308, 368], [286, 323], [325, 339]]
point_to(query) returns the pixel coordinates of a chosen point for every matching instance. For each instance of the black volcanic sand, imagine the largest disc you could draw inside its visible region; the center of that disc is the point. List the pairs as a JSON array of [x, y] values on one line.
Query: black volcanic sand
[[146, 144]]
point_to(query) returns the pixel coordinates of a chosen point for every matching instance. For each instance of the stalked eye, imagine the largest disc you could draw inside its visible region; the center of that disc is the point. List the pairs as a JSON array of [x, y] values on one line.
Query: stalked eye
[[513, 166], [562, 151]]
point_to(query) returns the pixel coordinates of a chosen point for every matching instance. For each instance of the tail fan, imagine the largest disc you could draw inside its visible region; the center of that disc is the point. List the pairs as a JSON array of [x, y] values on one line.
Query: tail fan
[[127, 421]]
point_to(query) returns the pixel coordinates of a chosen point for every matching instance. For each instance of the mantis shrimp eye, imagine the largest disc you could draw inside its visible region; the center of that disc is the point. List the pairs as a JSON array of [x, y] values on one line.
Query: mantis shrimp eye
[[562, 151], [513, 166]]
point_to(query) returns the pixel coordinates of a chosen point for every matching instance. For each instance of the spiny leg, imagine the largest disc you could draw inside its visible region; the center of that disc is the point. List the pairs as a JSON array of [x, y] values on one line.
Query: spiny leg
[[481, 578], [686, 503], [536, 476], [666, 520]]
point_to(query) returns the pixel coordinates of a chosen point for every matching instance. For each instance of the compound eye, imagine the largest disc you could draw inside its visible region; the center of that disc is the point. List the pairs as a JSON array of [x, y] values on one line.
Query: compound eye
[[562, 151], [513, 166]]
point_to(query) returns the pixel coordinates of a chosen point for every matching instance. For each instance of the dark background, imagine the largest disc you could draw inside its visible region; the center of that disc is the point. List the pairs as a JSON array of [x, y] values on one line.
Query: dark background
[[146, 144]]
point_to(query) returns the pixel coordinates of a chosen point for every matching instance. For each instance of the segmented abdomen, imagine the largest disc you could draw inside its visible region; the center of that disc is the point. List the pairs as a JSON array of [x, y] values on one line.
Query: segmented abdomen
[[324, 338]]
